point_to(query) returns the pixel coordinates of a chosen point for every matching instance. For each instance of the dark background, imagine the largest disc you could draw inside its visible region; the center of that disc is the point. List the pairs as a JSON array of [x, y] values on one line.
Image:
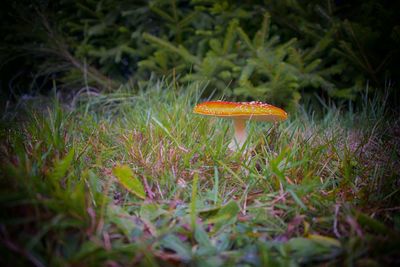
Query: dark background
[[103, 44]]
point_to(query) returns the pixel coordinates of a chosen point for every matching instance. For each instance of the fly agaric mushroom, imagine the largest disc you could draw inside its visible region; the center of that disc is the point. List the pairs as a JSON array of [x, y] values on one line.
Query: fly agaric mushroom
[[240, 112]]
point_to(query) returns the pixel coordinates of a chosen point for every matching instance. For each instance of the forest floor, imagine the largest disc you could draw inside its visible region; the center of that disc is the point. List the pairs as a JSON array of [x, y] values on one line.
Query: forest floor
[[137, 179]]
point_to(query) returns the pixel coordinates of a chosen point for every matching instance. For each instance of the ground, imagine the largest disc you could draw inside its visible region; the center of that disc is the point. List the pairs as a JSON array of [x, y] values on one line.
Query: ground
[[137, 179]]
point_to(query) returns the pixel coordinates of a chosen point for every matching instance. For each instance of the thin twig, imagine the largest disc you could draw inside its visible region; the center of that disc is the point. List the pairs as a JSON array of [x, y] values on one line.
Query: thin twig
[[335, 221]]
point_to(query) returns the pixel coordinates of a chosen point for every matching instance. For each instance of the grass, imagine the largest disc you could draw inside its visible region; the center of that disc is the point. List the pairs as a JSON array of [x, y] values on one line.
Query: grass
[[137, 179]]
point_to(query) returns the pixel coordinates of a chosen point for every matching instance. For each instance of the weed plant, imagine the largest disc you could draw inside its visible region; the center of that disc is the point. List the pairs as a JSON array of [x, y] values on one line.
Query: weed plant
[[134, 178]]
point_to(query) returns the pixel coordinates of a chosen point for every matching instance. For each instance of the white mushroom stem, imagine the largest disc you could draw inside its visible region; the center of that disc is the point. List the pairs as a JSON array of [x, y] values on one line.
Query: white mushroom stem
[[240, 134]]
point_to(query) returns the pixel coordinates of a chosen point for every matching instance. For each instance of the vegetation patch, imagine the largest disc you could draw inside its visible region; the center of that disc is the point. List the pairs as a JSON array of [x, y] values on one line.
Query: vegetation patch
[[135, 178]]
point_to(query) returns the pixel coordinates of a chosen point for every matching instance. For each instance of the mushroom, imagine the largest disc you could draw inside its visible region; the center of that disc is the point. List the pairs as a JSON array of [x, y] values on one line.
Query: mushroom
[[240, 112]]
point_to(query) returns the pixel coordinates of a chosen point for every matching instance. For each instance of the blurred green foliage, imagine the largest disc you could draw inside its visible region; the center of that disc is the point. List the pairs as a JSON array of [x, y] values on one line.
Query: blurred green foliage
[[266, 50]]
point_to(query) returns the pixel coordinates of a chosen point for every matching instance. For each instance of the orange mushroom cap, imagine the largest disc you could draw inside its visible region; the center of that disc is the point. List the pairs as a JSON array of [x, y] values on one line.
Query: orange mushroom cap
[[241, 110]]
